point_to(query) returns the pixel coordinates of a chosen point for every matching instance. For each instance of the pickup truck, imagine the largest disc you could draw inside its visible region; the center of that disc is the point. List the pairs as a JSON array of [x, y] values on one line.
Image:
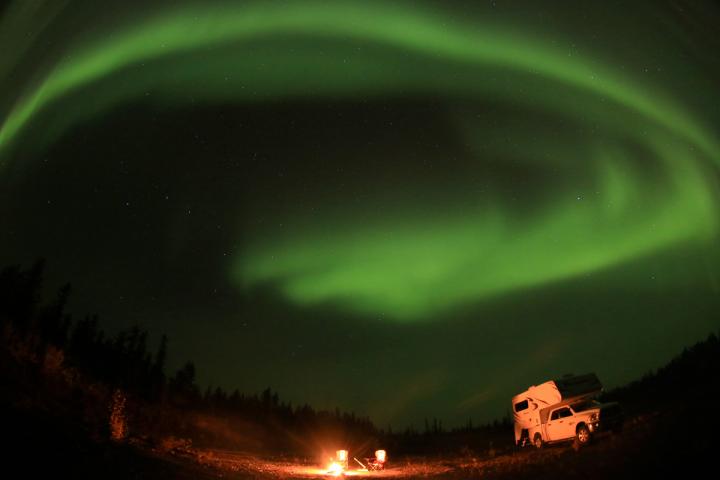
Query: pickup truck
[[579, 421]]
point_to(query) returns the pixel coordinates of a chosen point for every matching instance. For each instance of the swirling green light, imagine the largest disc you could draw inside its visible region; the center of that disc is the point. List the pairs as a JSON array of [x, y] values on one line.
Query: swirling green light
[[420, 265], [403, 28]]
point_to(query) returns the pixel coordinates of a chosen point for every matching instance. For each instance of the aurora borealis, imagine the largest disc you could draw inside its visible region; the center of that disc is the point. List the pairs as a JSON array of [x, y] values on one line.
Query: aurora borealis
[[436, 191]]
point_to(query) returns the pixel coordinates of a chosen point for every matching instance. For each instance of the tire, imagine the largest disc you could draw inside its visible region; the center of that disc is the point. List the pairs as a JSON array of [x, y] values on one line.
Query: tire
[[582, 435], [537, 440]]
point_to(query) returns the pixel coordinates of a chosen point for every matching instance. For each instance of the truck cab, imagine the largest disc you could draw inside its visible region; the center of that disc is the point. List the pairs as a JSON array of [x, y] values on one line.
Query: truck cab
[[561, 424], [577, 421]]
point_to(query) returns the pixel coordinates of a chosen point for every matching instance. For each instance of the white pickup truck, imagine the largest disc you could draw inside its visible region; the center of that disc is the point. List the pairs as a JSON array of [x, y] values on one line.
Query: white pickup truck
[[578, 421], [563, 409]]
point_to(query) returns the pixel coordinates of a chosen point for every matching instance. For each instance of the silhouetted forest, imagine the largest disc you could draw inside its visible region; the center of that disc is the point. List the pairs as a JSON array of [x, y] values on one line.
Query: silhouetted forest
[[691, 378], [45, 332]]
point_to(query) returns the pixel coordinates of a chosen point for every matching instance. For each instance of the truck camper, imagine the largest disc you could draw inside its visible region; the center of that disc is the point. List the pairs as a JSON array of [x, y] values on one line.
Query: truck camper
[[563, 409]]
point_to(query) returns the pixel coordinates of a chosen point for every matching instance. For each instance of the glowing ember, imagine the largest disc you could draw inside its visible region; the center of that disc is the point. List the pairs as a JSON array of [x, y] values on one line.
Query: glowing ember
[[342, 455], [335, 469]]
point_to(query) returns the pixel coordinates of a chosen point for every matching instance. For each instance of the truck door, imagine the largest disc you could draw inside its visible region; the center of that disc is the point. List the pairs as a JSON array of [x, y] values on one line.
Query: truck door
[[561, 424]]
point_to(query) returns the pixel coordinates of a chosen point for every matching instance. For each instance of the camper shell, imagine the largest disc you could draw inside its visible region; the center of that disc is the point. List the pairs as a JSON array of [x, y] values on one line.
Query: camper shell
[[562, 409]]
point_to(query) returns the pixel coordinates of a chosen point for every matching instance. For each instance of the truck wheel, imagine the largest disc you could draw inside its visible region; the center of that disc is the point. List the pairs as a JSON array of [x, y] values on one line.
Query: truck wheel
[[537, 441], [583, 435]]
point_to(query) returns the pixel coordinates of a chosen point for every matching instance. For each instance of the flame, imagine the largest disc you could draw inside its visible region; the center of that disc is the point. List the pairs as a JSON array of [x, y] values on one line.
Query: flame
[[335, 469]]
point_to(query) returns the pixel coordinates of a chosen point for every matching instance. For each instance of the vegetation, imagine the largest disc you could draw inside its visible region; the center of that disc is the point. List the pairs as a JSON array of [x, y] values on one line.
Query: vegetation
[[130, 380], [689, 378]]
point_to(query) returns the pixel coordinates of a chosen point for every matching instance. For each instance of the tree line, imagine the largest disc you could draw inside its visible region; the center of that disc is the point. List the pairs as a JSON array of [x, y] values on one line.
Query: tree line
[[125, 361]]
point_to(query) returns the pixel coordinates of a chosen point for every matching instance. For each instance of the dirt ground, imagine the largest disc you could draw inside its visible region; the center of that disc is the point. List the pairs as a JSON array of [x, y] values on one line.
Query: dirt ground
[[632, 453]]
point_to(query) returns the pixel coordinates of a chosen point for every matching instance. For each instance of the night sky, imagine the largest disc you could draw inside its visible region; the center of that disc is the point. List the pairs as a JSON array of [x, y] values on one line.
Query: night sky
[[405, 210]]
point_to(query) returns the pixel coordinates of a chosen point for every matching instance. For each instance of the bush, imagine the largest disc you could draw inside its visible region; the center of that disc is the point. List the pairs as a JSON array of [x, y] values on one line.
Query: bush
[[118, 416]]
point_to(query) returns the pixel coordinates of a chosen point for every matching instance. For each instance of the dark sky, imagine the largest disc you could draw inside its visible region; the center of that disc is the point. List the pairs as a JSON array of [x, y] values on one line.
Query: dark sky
[[407, 211]]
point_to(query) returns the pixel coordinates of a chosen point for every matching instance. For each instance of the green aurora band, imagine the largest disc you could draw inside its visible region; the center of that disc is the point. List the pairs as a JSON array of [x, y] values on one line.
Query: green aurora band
[[413, 265]]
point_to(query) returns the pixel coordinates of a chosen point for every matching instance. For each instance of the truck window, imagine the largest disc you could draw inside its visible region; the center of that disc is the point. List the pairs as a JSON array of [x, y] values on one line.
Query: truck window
[[561, 413], [520, 406]]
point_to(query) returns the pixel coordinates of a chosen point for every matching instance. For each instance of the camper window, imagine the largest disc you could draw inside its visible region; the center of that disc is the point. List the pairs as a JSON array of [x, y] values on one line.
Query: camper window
[[520, 406]]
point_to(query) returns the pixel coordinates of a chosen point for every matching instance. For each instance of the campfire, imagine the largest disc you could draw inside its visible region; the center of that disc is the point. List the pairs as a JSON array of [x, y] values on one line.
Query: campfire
[[335, 469], [340, 465]]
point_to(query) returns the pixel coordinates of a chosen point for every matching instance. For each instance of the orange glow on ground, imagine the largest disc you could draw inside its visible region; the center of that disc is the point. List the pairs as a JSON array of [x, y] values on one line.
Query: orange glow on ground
[[253, 466], [335, 469]]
